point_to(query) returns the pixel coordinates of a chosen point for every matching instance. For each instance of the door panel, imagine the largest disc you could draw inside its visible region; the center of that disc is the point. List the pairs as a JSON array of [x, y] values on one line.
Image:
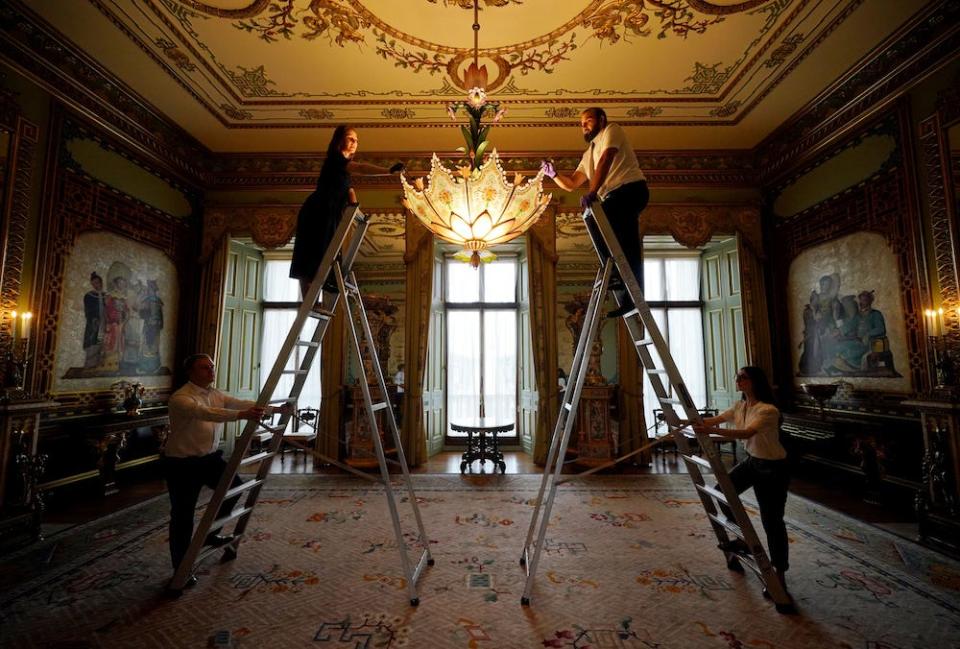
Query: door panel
[[433, 392], [238, 360], [723, 341]]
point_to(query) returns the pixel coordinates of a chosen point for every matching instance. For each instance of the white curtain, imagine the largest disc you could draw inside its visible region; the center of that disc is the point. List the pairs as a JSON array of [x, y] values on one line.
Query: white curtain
[[500, 366], [279, 287], [463, 366], [676, 279]]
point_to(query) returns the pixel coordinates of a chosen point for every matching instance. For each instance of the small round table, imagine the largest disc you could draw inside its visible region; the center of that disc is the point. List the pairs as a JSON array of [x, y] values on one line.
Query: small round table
[[485, 446]]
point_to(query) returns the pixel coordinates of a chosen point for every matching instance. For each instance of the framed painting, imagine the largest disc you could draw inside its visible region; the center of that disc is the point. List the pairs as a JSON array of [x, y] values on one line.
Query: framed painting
[[117, 316], [846, 314]]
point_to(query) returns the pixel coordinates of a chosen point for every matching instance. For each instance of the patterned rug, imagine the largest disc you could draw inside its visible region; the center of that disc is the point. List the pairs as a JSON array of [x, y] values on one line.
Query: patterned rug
[[630, 562]]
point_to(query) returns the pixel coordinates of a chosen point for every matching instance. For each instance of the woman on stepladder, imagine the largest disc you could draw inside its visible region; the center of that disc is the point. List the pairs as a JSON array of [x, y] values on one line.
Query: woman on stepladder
[[321, 213], [756, 420]]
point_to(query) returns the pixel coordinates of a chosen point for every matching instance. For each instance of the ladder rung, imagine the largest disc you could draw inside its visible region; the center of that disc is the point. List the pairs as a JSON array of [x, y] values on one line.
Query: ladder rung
[[212, 549], [380, 406], [273, 430], [729, 525], [307, 343], [696, 459], [283, 400], [253, 459], [643, 341], [568, 406], [672, 402], [239, 489], [717, 494], [232, 516], [320, 315], [657, 371], [294, 371], [351, 287]]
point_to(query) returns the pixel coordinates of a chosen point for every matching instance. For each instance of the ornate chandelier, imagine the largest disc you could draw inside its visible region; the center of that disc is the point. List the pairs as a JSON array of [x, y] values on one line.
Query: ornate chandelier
[[475, 206]]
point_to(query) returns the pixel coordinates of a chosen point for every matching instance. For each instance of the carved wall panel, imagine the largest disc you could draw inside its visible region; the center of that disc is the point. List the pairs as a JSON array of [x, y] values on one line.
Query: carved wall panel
[[79, 203], [15, 205]]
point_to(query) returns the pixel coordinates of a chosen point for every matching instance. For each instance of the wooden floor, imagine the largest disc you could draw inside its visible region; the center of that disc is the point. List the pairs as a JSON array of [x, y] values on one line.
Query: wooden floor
[[84, 504]]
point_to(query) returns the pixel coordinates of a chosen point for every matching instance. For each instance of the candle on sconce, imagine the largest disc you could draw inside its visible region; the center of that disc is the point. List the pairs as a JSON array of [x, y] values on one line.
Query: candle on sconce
[[25, 319], [940, 327], [934, 320], [13, 326]]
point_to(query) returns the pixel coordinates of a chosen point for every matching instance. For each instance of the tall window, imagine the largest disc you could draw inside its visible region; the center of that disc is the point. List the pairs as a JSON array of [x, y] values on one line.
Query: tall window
[[672, 289], [281, 299], [481, 310]]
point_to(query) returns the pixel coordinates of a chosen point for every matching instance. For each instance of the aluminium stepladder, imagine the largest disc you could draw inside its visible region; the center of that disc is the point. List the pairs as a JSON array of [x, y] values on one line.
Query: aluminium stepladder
[[662, 377], [353, 219]]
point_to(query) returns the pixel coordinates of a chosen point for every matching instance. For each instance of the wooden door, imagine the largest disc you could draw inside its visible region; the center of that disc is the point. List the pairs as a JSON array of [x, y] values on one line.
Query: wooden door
[[529, 397], [238, 361], [434, 399], [723, 335]]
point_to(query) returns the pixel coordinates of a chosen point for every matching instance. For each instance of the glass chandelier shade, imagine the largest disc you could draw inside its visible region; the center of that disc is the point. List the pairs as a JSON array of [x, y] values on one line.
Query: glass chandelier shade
[[475, 207]]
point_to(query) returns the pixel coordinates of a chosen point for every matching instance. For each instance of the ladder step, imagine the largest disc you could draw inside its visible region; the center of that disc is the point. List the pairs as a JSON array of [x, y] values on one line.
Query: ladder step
[[672, 402], [253, 459], [320, 315], [239, 489], [696, 459], [656, 371], [715, 493], [294, 371], [727, 524], [383, 405], [351, 287], [283, 400], [213, 549], [271, 429], [568, 406], [232, 516], [643, 342], [307, 343]]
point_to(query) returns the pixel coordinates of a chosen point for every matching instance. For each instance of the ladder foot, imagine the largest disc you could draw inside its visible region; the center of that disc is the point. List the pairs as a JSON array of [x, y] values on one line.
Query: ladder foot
[[734, 564], [786, 609], [228, 555], [524, 601], [430, 561], [415, 601], [523, 561]]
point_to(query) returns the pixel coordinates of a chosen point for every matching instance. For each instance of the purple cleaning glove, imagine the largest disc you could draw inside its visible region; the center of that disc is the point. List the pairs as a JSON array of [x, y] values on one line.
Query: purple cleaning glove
[[548, 169], [587, 199]]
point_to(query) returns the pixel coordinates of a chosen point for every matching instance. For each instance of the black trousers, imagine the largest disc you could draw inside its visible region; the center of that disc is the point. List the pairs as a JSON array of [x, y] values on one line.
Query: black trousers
[[769, 479], [622, 207], [185, 477]]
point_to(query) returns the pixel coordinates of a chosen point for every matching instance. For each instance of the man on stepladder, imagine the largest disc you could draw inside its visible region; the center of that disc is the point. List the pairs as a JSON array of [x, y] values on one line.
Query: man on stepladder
[[190, 457], [616, 179]]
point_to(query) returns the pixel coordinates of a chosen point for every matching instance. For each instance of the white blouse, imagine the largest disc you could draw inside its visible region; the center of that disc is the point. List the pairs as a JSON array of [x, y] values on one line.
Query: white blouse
[[764, 418]]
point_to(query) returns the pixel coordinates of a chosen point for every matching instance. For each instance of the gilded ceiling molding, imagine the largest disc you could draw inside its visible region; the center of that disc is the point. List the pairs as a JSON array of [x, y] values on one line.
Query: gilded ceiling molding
[[254, 8], [917, 50], [44, 55], [693, 225]]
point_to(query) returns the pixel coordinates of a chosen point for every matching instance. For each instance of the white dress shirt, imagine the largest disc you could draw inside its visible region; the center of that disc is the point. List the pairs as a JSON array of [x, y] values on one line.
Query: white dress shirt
[[624, 167], [196, 419], [398, 380]]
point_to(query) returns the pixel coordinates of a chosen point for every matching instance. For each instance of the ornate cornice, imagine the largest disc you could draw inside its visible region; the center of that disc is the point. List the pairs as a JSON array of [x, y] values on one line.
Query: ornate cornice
[[60, 67], [300, 171], [911, 54], [693, 225]]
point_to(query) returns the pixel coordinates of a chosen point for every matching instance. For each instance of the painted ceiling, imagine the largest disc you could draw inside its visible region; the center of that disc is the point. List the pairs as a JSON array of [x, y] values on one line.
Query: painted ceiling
[[268, 75]]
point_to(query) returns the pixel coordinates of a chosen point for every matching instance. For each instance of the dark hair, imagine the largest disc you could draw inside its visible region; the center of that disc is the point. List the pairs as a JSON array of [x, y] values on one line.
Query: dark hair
[[761, 386], [94, 276], [189, 361], [337, 139], [598, 114]]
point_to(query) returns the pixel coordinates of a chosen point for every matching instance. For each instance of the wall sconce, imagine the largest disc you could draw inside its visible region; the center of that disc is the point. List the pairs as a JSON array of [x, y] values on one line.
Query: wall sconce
[[944, 364], [15, 357]]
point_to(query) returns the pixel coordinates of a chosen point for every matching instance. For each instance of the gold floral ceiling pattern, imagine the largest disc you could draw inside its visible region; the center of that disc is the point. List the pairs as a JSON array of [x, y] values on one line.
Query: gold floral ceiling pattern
[[276, 64]]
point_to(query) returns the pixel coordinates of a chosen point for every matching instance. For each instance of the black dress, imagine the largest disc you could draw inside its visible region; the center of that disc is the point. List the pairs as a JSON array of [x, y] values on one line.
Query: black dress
[[319, 217]]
